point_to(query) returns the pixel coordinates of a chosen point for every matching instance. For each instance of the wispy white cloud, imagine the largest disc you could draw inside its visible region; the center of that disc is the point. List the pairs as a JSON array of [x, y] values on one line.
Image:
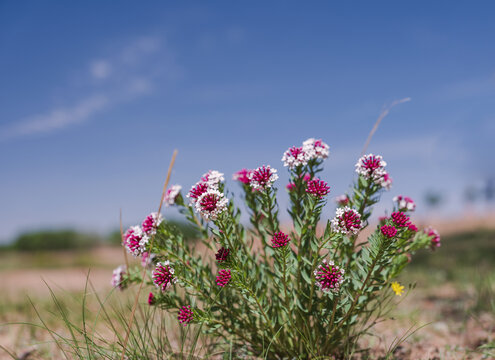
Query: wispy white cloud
[[100, 69], [129, 74], [56, 119]]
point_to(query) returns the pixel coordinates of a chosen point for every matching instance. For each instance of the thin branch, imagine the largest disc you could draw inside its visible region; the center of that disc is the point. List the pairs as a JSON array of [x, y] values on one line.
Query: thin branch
[[384, 113]]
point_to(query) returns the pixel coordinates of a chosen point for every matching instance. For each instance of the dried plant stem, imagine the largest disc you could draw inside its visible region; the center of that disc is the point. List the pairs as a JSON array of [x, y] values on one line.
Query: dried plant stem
[[122, 240], [133, 313], [384, 113]]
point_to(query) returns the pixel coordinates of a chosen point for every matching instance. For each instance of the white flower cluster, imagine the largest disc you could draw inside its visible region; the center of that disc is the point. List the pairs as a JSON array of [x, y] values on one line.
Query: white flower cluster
[[295, 157], [385, 181], [311, 149], [404, 203], [213, 178], [211, 203], [118, 277], [316, 149], [171, 195]]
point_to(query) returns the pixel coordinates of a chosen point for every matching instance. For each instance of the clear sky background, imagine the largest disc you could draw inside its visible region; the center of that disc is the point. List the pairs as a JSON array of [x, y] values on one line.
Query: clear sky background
[[95, 95]]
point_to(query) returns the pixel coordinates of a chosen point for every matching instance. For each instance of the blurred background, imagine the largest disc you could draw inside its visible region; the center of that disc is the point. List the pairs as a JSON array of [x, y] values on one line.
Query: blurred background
[[95, 96]]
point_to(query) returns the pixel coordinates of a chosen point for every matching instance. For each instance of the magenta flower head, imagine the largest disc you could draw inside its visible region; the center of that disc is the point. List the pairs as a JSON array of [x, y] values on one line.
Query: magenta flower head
[[385, 181], [223, 277], [316, 149], [118, 277], [135, 240], [263, 177], [400, 219], [371, 167], [347, 221], [318, 188], [163, 275], [151, 223], [171, 195], [294, 157], [412, 227], [388, 231], [291, 187], [342, 200], [197, 190], [151, 299], [435, 237], [147, 259], [280, 239], [404, 203], [211, 203], [186, 315], [242, 176], [328, 276], [222, 254]]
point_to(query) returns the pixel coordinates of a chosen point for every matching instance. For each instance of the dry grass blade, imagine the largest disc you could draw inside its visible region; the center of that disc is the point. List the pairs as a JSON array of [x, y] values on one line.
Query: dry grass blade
[[133, 313], [384, 113]]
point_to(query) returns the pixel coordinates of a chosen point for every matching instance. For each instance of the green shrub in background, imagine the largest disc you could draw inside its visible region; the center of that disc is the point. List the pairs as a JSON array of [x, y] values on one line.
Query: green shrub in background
[[55, 240]]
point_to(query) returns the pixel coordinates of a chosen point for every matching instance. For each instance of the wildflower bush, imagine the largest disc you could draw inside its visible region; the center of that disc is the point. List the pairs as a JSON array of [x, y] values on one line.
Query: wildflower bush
[[308, 289]]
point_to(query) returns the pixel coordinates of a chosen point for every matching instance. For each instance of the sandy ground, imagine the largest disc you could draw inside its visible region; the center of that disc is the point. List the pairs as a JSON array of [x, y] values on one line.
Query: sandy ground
[[451, 330]]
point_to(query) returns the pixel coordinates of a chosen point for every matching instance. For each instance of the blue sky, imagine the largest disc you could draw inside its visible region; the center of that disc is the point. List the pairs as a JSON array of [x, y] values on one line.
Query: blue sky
[[96, 95]]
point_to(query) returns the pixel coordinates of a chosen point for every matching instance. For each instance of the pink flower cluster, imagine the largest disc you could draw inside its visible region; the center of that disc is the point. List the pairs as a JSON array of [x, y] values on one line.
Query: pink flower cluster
[[372, 167], [171, 195], [242, 176], [151, 299], [151, 223], [135, 240], [147, 259], [163, 275], [342, 200], [328, 276], [263, 177], [400, 219], [388, 231], [404, 203], [347, 221], [291, 186], [318, 188], [186, 315], [211, 203], [223, 277], [206, 197], [280, 239], [435, 237], [222, 254], [118, 277]]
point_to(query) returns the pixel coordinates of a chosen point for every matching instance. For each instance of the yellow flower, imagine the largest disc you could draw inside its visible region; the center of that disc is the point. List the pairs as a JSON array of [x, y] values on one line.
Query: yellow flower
[[397, 288]]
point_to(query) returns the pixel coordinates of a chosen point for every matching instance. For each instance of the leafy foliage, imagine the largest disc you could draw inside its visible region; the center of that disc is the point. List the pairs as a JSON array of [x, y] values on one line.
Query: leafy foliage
[[273, 305]]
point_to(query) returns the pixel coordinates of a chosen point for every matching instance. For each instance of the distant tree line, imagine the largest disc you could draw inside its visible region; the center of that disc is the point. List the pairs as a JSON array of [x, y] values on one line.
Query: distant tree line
[[69, 239]]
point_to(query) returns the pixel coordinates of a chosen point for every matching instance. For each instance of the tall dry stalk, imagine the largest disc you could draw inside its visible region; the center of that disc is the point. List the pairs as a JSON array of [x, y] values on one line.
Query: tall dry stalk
[[384, 113], [131, 320]]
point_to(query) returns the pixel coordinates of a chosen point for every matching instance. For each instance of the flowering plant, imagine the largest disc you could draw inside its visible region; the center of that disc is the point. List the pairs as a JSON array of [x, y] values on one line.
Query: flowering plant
[[298, 290]]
